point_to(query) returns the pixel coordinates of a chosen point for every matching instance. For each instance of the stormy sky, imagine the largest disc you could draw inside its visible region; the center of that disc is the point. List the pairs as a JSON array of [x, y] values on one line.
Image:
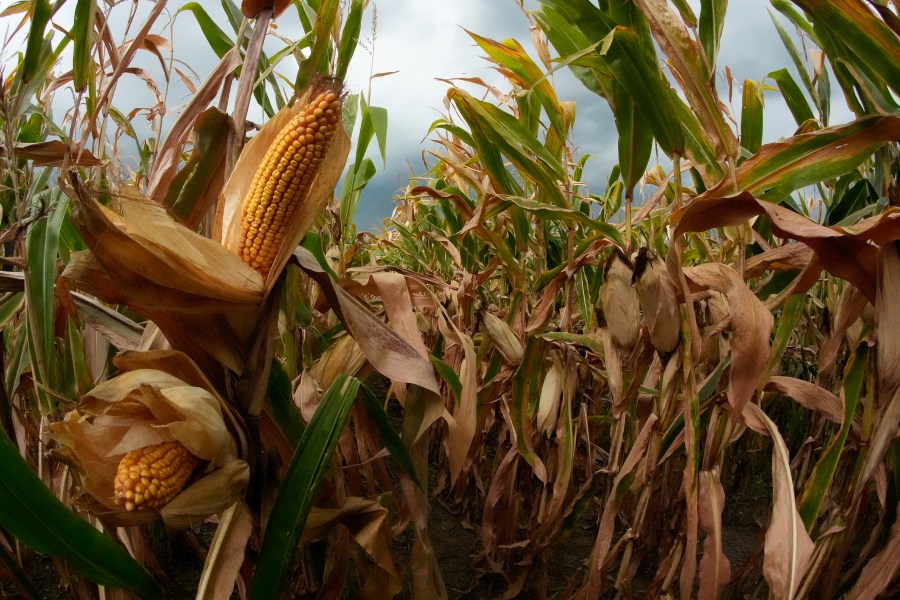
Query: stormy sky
[[424, 40]]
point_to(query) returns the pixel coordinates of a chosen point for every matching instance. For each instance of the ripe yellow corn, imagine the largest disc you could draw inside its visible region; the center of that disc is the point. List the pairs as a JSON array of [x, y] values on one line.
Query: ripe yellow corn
[[283, 179], [150, 477]]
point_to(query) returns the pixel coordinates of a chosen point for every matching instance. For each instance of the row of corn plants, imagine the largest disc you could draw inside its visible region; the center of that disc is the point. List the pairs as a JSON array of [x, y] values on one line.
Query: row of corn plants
[[144, 308], [558, 358], [616, 363]]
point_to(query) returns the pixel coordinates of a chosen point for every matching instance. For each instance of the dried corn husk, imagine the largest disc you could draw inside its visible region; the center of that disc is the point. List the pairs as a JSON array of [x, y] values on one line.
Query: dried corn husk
[[621, 307], [197, 290], [503, 338], [657, 297], [548, 405], [144, 407]]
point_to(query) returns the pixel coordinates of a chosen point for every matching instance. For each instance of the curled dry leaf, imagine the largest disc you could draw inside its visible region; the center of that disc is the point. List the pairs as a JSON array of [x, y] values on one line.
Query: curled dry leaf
[[751, 325], [788, 547], [251, 8], [56, 153], [845, 252], [369, 524], [809, 395], [715, 569]]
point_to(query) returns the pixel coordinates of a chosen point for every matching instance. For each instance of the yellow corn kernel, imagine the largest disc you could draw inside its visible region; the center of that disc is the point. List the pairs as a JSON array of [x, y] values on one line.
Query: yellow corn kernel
[[283, 178], [150, 477]]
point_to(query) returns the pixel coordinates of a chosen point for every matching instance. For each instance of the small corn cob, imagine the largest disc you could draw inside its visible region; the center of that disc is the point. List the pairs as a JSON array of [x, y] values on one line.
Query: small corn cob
[[283, 178], [152, 476], [507, 342]]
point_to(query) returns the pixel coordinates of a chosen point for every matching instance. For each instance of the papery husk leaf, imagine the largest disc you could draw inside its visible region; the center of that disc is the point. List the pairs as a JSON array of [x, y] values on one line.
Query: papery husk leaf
[[809, 395], [621, 307], [139, 242], [189, 414], [715, 569], [343, 356], [221, 568], [751, 325], [788, 548], [210, 495], [368, 522], [845, 252], [509, 345], [548, 405], [321, 189], [657, 297]]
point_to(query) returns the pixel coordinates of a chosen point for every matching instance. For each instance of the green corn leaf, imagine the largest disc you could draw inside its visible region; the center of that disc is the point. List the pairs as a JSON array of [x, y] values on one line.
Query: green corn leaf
[[640, 76], [349, 38], [82, 34], [872, 46], [389, 436], [215, 37], [820, 481], [298, 489], [195, 189], [40, 16], [526, 390], [792, 96], [281, 404], [41, 250], [40, 521], [782, 167], [712, 22], [496, 131], [449, 376], [752, 116], [326, 17]]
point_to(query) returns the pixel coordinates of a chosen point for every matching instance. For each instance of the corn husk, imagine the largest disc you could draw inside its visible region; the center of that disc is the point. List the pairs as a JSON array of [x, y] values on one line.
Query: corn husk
[[200, 294], [143, 407], [343, 356], [548, 405], [502, 336], [620, 303], [658, 300]]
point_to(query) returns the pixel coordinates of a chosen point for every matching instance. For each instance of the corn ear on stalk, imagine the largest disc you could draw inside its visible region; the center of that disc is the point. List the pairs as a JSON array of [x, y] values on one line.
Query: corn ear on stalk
[[503, 337], [283, 179], [619, 299], [150, 477], [657, 297]]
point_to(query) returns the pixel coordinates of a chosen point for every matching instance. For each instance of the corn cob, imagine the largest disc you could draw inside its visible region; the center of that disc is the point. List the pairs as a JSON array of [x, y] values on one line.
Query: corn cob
[[621, 308], [659, 301], [283, 179], [502, 336], [152, 476]]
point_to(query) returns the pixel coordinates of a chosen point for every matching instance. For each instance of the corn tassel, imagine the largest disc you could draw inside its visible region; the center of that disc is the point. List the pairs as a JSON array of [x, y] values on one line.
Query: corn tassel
[[284, 177], [150, 477]]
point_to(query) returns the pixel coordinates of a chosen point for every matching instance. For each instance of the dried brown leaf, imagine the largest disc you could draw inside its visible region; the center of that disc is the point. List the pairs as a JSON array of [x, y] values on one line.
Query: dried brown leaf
[[844, 251], [809, 395], [715, 569], [788, 548], [226, 553], [56, 153], [880, 571], [751, 325]]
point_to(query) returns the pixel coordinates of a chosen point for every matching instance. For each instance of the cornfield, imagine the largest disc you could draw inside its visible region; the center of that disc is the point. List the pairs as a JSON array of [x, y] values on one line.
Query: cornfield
[[684, 384]]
